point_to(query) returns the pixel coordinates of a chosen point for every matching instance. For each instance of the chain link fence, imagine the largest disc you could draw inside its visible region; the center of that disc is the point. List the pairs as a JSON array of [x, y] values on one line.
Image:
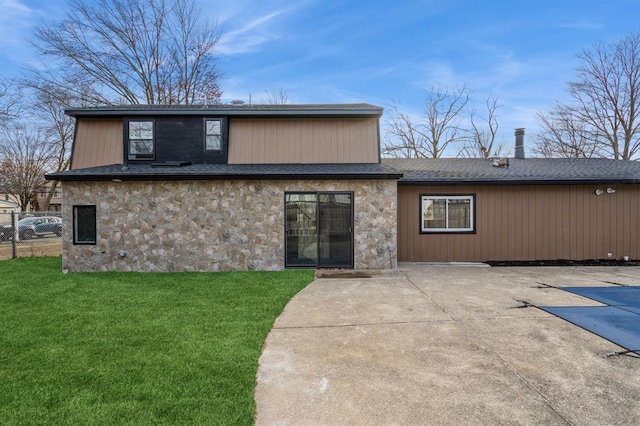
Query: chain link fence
[[28, 234]]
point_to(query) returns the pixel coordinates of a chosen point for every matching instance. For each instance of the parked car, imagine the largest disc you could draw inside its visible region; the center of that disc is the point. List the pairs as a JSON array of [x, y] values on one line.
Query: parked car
[[33, 227]]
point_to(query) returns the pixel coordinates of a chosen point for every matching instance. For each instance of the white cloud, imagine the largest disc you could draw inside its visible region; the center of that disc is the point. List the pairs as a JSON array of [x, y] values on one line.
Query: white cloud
[[581, 24], [440, 73], [247, 37], [14, 21], [252, 34], [9, 5]]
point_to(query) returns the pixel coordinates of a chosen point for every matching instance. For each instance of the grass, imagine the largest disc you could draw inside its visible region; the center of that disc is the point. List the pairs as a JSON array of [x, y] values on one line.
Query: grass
[[133, 348]]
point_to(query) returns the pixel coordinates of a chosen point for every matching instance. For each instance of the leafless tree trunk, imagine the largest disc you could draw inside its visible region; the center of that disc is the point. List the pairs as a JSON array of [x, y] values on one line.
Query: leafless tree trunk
[[481, 140], [24, 160], [601, 117], [430, 135], [133, 52]]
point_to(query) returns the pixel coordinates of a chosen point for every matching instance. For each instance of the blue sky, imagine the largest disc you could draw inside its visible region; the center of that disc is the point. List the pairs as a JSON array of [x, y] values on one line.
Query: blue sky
[[322, 51]]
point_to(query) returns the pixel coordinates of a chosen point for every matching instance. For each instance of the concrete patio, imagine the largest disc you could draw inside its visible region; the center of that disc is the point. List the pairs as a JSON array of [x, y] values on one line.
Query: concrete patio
[[434, 344]]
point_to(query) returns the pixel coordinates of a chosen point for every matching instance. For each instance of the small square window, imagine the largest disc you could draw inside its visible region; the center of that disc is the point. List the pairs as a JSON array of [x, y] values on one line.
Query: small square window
[[84, 224], [141, 140], [213, 135], [447, 213]]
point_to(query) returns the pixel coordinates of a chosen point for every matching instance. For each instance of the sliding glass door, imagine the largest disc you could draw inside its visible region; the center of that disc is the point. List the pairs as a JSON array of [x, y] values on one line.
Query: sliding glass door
[[301, 212], [319, 229]]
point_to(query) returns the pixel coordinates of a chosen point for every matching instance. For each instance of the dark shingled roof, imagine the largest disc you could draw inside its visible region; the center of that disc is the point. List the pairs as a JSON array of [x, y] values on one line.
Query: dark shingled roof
[[244, 110], [229, 171], [459, 171]]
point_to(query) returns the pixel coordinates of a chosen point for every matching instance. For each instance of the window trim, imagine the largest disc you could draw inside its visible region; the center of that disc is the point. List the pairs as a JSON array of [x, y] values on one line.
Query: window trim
[[75, 225], [133, 157], [470, 197], [219, 120]]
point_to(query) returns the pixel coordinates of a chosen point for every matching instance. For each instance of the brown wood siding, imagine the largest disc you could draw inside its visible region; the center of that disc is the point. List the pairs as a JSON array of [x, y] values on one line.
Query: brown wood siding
[[530, 222], [303, 140], [98, 142]]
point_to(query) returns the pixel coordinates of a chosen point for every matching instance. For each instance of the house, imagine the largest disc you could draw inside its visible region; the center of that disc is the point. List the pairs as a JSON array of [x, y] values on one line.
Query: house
[[517, 209], [8, 204], [55, 203], [10, 201], [7, 207], [228, 187], [267, 187]]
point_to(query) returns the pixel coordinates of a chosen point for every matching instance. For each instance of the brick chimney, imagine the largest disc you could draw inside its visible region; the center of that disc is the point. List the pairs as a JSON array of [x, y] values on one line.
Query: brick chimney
[[519, 144]]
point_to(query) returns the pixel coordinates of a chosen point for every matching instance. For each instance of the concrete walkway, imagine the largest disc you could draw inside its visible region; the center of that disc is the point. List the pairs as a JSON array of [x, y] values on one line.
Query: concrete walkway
[[445, 345]]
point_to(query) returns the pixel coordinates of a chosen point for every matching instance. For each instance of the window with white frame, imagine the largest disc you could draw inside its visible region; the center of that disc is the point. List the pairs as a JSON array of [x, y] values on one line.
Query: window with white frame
[[141, 140], [213, 135], [447, 213]]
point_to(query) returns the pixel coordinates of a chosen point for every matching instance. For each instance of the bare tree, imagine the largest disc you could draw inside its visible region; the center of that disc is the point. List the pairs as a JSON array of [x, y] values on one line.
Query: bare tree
[[24, 160], [561, 135], [601, 116], [9, 101], [279, 97], [57, 128], [403, 140], [481, 140], [133, 52], [430, 135]]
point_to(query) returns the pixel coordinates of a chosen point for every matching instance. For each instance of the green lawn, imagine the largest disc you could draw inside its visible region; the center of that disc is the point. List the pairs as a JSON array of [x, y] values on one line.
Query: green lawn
[[133, 348]]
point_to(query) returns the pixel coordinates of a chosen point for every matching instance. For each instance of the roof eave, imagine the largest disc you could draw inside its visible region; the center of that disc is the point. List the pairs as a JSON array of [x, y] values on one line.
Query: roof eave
[[494, 182], [204, 176], [230, 112]]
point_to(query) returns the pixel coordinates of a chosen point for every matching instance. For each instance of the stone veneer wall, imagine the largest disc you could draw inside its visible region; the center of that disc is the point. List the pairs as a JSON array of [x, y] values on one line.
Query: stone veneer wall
[[214, 225]]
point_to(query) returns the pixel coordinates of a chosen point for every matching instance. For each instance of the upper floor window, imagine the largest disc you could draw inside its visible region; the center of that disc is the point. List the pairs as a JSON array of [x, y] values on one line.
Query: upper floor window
[[213, 135], [141, 140], [447, 213], [45, 194]]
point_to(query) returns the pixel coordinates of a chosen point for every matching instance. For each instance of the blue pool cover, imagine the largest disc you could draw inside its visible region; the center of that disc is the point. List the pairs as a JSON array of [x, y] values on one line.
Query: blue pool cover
[[619, 322]]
